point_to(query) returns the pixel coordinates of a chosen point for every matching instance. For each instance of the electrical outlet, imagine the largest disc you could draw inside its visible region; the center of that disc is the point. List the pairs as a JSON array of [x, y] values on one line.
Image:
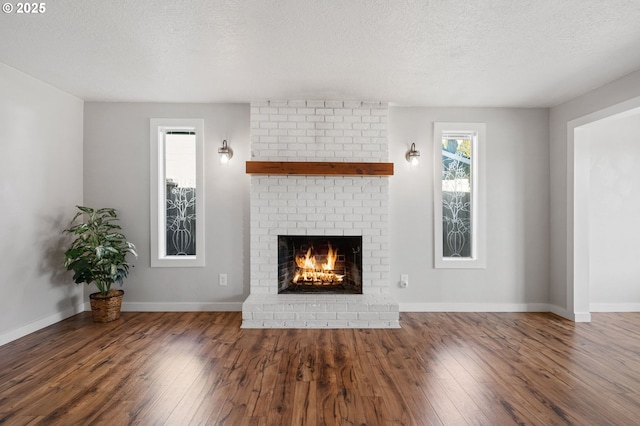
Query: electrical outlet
[[404, 280], [222, 279]]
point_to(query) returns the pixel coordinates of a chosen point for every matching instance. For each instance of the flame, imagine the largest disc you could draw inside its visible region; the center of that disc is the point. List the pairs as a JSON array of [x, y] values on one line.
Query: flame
[[309, 272], [331, 259], [307, 261]]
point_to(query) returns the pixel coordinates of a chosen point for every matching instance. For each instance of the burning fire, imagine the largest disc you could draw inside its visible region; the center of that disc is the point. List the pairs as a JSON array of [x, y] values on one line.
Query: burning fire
[[310, 272]]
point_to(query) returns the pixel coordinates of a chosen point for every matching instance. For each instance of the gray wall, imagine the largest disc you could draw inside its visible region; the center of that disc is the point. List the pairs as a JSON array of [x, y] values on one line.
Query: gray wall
[[117, 150], [562, 174], [614, 234], [518, 200], [43, 174], [40, 183], [527, 178], [516, 277]]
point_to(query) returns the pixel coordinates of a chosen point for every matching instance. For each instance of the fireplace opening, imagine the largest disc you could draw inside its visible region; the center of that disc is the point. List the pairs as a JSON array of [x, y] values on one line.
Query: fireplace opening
[[319, 264]]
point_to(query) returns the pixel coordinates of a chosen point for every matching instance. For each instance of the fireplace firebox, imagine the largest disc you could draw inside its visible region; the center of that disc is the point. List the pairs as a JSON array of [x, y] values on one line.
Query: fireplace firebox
[[319, 264]]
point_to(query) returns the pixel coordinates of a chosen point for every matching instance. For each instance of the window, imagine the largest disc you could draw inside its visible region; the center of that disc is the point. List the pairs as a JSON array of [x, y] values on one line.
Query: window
[[459, 198], [177, 188]]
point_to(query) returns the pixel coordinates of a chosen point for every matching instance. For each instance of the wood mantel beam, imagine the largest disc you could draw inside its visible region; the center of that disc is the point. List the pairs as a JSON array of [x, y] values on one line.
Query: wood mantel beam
[[314, 168]]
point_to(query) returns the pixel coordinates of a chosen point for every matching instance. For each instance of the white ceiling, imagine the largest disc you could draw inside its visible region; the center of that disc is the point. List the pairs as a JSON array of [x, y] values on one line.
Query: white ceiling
[[524, 53]]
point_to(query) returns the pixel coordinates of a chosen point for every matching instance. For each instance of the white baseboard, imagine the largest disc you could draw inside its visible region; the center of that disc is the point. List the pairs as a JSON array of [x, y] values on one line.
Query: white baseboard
[[615, 307], [572, 316], [12, 335], [474, 307], [561, 312], [404, 307], [181, 307], [582, 317], [496, 307]]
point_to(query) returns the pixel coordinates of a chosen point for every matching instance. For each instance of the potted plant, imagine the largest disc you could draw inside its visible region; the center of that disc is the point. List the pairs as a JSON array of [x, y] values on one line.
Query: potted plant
[[98, 254]]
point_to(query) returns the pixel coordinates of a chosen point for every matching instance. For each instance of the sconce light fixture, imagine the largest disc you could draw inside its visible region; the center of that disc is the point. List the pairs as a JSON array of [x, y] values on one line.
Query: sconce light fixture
[[413, 156], [225, 152]]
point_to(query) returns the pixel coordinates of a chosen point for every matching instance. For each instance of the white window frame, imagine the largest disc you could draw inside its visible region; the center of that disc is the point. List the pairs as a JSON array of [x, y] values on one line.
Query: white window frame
[[158, 129], [478, 259]]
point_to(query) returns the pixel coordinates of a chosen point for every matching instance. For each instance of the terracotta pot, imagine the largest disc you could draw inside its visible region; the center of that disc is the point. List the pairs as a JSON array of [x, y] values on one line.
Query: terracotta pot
[[106, 308]]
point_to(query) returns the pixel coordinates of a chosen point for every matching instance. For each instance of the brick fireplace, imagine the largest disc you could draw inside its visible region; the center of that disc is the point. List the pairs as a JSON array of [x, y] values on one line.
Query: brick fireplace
[[331, 205]]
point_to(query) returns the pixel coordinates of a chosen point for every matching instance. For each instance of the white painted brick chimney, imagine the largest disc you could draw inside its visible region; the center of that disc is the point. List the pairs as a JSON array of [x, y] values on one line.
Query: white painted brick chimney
[[331, 131]]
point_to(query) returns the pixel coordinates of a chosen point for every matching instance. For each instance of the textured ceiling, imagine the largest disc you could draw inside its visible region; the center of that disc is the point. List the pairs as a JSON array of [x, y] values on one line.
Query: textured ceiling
[[430, 52]]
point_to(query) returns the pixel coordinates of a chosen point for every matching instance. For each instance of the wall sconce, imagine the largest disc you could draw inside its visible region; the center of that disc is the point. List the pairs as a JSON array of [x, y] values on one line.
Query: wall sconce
[[413, 155], [225, 152]]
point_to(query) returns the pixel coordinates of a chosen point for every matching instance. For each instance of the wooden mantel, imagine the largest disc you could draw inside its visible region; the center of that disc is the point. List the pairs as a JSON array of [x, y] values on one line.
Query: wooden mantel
[[315, 168]]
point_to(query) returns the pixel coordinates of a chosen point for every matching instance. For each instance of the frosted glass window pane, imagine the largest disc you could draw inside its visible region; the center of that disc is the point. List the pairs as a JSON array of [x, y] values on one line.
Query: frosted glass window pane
[[457, 199], [180, 194]]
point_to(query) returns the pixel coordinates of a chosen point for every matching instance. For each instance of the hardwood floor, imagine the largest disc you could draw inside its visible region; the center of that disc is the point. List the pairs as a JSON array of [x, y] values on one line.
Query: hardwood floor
[[439, 368]]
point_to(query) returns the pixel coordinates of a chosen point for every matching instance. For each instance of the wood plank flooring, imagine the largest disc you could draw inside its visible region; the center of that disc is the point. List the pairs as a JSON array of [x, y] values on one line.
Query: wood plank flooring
[[438, 369]]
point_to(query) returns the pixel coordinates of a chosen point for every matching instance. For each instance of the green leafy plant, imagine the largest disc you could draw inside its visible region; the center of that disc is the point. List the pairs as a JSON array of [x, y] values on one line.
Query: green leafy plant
[[98, 254]]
